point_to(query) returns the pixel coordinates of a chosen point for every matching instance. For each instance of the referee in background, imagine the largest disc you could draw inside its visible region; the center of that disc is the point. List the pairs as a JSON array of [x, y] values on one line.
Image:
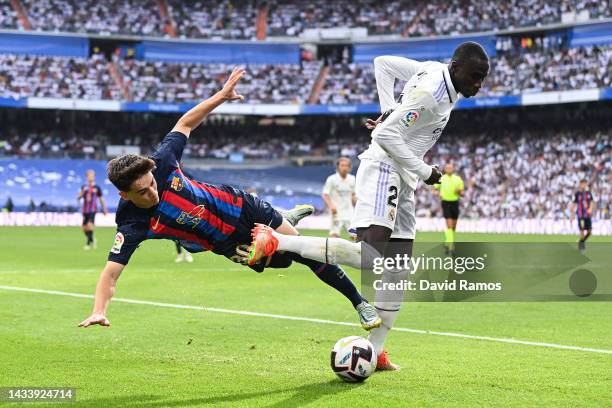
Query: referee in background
[[450, 189]]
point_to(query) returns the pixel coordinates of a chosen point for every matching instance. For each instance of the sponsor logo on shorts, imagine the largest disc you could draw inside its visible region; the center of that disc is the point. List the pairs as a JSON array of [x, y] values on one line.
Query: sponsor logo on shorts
[[119, 240], [410, 118]]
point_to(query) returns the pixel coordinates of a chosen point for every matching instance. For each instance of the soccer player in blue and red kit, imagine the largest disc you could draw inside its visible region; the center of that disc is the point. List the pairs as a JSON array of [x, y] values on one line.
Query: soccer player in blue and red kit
[[159, 202], [90, 194], [583, 205]]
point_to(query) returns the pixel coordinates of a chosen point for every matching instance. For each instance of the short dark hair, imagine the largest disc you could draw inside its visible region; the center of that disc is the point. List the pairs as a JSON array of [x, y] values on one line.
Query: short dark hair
[[124, 170], [583, 180], [470, 50]]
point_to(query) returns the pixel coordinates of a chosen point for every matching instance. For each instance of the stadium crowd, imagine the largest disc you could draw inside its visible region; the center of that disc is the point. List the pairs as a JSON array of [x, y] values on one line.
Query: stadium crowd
[[8, 16], [346, 83], [230, 20], [532, 176], [132, 17], [511, 73], [173, 82], [56, 77], [233, 19]]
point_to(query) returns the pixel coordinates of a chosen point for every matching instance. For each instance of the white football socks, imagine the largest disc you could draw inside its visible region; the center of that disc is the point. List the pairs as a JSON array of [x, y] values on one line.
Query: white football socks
[[387, 303], [327, 250]]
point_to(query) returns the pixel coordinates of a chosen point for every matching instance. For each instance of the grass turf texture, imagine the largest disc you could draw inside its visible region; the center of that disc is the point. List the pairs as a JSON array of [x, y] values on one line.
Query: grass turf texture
[[158, 357]]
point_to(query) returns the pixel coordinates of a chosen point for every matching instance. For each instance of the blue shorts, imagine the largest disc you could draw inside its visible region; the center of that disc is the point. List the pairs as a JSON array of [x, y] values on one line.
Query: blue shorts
[[585, 224], [254, 211]]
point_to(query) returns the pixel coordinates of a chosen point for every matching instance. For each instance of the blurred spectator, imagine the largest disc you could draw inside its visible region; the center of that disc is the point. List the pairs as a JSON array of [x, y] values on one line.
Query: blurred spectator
[[223, 19], [56, 77], [8, 16], [132, 17], [174, 82], [237, 19]]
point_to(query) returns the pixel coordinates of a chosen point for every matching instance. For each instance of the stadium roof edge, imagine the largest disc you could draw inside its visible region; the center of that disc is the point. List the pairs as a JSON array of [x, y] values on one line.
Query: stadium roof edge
[[297, 40]]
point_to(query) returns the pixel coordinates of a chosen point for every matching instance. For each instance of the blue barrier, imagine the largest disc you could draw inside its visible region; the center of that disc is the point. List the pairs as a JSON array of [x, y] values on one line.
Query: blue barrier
[[339, 109], [37, 44], [591, 34], [13, 103], [228, 53], [605, 93], [156, 107], [421, 49], [280, 109], [489, 102]]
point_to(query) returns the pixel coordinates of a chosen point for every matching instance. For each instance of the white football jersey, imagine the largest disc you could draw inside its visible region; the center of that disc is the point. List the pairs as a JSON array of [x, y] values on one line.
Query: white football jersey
[[340, 191], [417, 121]]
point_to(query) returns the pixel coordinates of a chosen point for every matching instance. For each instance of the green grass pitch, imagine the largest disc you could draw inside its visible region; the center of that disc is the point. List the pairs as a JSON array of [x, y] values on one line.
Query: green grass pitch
[[154, 356]]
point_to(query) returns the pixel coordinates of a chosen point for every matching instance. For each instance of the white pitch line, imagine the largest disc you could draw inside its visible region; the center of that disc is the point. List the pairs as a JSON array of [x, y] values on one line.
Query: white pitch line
[[312, 320]]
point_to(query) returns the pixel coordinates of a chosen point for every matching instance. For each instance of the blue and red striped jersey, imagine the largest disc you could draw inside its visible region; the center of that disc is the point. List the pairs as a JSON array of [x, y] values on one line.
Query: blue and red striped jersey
[[197, 215], [583, 201], [90, 194]]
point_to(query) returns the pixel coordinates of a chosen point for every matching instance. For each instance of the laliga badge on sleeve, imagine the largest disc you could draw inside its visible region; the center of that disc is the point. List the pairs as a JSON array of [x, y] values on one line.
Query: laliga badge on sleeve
[[119, 240], [410, 118]]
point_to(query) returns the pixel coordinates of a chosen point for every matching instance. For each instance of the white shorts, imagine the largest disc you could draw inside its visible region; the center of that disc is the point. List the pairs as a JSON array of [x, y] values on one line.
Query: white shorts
[[383, 198], [337, 226]]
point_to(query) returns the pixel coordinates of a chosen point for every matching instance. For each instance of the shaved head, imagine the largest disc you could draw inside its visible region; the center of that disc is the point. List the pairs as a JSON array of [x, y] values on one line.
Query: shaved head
[[468, 68]]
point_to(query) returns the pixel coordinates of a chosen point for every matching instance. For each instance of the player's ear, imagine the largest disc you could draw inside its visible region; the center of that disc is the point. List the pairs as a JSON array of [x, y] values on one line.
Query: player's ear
[[123, 195]]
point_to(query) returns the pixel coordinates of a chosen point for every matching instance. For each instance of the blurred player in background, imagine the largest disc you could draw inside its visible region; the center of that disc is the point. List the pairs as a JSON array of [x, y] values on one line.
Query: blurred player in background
[[339, 196], [450, 189], [90, 194], [583, 205], [390, 170]]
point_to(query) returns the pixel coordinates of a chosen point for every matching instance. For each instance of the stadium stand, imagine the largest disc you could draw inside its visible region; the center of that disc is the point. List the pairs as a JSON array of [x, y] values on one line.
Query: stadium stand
[[56, 77], [225, 19], [8, 15], [348, 83], [292, 17], [132, 17], [239, 19], [173, 82]]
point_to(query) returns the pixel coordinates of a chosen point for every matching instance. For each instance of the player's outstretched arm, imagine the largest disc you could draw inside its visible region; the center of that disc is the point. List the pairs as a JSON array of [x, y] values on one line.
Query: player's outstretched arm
[[194, 117], [104, 292], [387, 68]]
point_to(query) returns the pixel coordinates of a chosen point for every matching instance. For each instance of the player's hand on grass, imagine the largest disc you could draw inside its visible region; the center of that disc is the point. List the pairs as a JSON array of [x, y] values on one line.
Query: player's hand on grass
[[95, 319], [229, 92], [435, 177]]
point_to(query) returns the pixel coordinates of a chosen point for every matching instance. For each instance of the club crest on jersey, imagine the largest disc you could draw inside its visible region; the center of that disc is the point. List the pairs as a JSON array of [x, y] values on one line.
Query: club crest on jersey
[[177, 183], [119, 240], [410, 118], [391, 215]]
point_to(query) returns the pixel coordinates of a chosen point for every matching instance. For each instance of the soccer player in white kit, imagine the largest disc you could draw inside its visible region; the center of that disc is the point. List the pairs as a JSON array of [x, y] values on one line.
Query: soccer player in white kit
[[390, 170], [339, 196]]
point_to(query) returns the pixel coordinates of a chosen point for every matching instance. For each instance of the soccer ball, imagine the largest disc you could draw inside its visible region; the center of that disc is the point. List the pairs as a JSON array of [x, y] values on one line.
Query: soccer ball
[[353, 359]]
